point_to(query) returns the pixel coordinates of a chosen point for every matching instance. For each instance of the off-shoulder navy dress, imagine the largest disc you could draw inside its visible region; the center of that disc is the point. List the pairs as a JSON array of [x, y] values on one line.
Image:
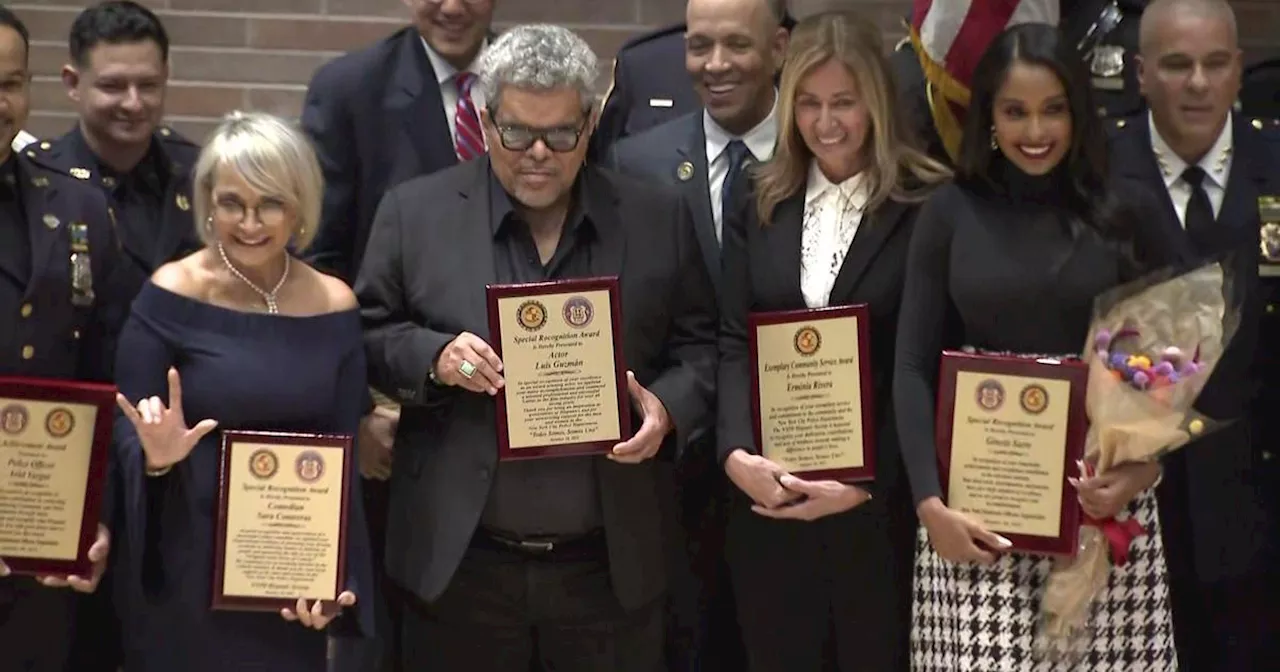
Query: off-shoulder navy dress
[[248, 371]]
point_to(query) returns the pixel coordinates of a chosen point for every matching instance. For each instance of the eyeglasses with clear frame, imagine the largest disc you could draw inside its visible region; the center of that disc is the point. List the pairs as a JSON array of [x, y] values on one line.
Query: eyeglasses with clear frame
[[268, 212]]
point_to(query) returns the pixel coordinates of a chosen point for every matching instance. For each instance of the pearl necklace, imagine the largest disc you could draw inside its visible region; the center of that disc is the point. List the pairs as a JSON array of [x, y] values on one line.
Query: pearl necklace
[[268, 297]]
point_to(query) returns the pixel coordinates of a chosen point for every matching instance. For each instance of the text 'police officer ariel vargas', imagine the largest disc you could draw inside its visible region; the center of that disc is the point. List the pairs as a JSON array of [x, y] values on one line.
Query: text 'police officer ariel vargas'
[[60, 309]]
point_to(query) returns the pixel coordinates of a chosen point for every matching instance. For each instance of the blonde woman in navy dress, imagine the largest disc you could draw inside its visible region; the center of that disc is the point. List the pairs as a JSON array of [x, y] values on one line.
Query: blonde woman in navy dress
[[239, 335]]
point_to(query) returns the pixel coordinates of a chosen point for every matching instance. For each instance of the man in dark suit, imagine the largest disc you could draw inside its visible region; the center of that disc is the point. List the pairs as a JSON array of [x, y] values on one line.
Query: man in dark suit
[[1213, 173], [117, 79], [380, 116], [388, 113], [649, 86], [560, 556], [733, 51], [62, 312]]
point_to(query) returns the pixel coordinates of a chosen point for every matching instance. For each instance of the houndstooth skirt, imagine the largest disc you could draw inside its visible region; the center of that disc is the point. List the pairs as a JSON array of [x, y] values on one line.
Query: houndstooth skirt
[[970, 618]]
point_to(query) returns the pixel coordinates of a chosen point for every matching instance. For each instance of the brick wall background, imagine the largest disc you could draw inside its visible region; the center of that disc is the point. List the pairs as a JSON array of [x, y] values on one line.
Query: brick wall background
[[259, 54]]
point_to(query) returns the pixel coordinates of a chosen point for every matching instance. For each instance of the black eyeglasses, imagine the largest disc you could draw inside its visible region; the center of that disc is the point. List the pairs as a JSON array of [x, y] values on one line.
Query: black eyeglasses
[[521, 138]]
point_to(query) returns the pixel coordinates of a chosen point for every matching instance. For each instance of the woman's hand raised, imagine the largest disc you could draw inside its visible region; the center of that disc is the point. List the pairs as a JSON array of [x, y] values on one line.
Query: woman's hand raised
[[166, 439]]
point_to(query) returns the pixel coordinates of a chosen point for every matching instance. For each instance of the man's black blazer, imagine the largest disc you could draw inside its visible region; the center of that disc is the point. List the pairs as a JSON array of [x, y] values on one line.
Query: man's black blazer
[[423, 282], [376, 119]]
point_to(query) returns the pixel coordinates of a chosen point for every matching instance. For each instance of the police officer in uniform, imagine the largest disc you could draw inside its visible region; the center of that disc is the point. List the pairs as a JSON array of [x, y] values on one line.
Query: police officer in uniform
[[60, 314], [650, 87], [1105, 33], [1215, 179], [118, 70], [117, 76]]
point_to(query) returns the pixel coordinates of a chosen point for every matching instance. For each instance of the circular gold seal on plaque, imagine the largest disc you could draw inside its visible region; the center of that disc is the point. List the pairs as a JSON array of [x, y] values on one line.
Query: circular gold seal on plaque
[[1034, 399], [531, 315], [309, 466], [59, 422], [578, 312], [13, 419], [807, 340], [263, 464], [990, 394]]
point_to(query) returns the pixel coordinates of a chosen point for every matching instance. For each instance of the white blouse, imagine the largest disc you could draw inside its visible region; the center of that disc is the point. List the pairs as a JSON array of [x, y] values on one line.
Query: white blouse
[[832, 213]]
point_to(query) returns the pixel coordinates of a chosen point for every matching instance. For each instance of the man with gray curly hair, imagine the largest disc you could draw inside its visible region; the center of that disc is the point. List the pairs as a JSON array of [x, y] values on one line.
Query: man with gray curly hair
[[502, 558]]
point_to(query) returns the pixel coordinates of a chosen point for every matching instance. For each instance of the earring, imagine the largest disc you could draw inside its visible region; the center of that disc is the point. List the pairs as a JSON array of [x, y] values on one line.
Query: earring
[[994, 145], [208, 224]]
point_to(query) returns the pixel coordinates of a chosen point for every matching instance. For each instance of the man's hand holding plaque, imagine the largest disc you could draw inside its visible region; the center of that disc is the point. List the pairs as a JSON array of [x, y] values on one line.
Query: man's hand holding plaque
[[563, 388], [468, 362], [654, 427]]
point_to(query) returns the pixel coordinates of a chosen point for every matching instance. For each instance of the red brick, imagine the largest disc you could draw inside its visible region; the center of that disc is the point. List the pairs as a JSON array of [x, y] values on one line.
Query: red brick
[[250, 65], [281, 101], [318, 34]]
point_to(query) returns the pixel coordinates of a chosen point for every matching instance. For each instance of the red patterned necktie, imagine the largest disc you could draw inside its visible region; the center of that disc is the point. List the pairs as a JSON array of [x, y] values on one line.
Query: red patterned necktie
[[466, 135]]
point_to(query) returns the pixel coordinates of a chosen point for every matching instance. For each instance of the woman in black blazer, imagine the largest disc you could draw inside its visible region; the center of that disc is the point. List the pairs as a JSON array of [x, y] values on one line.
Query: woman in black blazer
[[821, 570]]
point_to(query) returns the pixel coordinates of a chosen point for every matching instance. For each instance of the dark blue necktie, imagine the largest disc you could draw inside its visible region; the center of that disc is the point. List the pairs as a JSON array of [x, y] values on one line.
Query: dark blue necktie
[[1199, 219], [736, 152]]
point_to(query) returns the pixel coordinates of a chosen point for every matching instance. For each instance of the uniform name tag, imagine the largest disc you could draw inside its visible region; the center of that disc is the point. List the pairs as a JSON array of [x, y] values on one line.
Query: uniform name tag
[[661, 102]]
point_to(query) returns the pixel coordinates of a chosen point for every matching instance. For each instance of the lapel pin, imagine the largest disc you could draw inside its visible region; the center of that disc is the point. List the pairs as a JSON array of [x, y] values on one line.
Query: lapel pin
[[1257, 124], [40, 181], [80, 173], [45, 146], [684, 171], [183, 203], [51, 221]]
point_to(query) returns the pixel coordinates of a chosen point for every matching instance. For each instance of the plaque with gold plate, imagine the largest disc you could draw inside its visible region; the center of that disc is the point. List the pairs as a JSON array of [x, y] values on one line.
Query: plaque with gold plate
[[565, 389], [812, 400], [281, 534], [55, 438], [1009, 431]]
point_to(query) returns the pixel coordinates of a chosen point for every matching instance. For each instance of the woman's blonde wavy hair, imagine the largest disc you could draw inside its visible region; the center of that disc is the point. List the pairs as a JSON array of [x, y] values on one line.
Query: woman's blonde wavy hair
[[895, 168]]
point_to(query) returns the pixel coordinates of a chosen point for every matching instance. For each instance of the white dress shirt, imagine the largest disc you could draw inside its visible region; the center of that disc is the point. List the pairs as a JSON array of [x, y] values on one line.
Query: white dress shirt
[[759, 141], [1216, 165], [832, 215], [446, 78]]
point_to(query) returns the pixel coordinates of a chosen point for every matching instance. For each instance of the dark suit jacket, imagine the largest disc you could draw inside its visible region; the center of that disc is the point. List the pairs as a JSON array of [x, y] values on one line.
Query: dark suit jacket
[[430, 257], [376, 119], [762, 273], [647, 68], [1233, 534], [178, 156], [657, 154]]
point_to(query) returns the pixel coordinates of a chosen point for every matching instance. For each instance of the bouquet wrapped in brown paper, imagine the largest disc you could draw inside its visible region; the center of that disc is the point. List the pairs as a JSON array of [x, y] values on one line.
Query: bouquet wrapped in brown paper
[[1151, 348]]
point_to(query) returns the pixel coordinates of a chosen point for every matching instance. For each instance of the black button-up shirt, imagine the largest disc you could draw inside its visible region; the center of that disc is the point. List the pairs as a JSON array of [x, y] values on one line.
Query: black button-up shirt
[[556, 496]]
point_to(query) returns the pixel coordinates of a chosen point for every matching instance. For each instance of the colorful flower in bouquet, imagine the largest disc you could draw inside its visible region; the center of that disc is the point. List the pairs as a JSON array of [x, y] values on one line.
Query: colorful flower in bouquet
[[1142, 384]]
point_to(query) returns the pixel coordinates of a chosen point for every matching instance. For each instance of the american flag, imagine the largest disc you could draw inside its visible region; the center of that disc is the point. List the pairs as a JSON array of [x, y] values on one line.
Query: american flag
[[950, 36]]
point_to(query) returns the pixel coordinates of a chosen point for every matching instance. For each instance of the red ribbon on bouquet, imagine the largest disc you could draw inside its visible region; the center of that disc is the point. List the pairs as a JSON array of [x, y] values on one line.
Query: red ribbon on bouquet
[[1120, 535]]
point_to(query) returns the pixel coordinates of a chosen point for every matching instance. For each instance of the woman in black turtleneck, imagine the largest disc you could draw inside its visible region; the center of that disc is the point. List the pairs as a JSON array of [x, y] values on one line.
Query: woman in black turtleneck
[[1010, 258]]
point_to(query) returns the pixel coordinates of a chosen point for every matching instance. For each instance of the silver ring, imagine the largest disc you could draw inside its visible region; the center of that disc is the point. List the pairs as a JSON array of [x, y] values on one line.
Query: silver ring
[[467, 369]]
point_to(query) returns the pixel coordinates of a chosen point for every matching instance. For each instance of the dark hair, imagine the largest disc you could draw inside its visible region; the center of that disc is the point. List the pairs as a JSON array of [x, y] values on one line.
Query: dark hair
[[8, 18], [1083, 171], [115, 22]]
